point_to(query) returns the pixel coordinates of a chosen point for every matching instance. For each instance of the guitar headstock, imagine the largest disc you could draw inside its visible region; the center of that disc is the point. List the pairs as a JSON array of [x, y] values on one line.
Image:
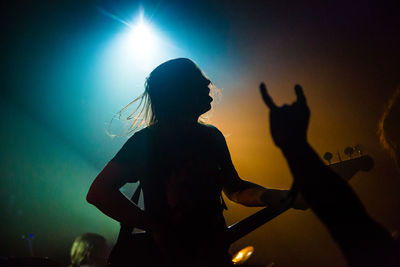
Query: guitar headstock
[[349, 167]]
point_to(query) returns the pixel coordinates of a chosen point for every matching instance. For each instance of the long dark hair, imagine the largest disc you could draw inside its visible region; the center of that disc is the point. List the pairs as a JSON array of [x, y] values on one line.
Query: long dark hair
[[159, 99]]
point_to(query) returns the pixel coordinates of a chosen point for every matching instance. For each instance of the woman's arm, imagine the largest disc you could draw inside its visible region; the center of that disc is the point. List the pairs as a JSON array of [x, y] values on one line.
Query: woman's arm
[[242, 191], [105, 195], [252, 195]]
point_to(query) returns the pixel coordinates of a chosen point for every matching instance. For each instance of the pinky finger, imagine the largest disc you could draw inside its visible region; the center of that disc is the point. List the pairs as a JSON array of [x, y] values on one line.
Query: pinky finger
[[266, 97]]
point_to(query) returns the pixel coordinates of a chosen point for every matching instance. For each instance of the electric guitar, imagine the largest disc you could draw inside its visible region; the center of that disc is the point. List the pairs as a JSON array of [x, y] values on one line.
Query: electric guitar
[[346, 169], [138, 249]]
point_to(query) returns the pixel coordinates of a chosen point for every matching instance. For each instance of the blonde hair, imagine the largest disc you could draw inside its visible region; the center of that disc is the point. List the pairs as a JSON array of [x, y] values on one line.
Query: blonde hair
[[147, 110], [142, 115], [83, 244]]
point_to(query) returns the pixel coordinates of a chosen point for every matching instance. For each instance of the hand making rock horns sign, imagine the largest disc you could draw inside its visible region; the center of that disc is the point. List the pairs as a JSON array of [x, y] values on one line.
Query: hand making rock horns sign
[[288, 123]]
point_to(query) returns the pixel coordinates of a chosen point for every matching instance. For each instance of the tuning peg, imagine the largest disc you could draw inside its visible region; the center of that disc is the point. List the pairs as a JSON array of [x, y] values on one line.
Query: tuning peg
[[328, 157], [349, 151], [359, 149]]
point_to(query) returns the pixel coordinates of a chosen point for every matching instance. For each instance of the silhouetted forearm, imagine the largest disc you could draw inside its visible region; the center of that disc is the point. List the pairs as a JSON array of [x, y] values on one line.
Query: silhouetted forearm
[[105, 195], [361, 239], [115, 205], [258, 196], [322, 188], [254, 195]]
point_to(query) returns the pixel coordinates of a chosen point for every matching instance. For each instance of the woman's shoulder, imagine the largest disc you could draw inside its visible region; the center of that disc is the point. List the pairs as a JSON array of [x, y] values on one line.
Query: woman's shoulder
[[140, 135], [212, 130], [207, 127]]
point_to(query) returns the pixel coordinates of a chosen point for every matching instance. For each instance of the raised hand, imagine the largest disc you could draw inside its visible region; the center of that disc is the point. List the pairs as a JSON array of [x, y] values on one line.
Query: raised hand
[[288, 124]]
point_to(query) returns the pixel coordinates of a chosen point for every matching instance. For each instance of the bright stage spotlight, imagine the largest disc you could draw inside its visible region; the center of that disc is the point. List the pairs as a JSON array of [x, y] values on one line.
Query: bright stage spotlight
[[141, 37], [139, 46], [133, 53]]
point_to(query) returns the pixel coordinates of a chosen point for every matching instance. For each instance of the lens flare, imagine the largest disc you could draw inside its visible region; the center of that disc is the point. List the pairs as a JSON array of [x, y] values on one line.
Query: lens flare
[[142, 38], [243, 255]]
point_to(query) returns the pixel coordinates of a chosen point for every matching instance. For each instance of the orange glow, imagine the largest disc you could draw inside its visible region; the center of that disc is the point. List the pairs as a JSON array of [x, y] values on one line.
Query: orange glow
[[243, 255]]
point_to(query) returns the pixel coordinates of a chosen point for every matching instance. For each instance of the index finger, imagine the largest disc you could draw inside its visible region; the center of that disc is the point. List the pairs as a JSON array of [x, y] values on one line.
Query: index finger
[[266, 97], [300, 94]]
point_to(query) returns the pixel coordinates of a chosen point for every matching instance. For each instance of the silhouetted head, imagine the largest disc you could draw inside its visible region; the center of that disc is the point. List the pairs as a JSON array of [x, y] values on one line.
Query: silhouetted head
[[90, 250], [176, 92], [389, 127], [178, 89]]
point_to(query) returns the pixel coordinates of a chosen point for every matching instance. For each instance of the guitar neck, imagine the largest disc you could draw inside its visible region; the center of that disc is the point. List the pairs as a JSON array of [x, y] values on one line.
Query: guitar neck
[[240, 229], [346, 169]]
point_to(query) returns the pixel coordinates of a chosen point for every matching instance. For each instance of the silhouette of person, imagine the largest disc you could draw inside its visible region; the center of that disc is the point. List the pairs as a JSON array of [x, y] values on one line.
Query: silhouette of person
[[182, 165], [362, 241], [89, 250]]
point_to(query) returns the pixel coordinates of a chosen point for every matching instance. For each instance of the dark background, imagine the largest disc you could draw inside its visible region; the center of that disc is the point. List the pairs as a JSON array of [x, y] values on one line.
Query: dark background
[[61, 85]]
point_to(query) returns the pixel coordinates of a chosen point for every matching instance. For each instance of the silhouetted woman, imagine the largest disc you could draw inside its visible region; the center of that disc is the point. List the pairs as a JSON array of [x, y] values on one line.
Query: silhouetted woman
[[182, 165]]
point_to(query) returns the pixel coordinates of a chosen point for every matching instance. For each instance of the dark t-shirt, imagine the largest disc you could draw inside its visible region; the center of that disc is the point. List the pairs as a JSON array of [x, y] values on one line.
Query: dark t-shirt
[[182, 173]]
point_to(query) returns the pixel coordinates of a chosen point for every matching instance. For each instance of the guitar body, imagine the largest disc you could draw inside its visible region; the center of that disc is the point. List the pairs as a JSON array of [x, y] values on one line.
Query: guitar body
[[135, 250]]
